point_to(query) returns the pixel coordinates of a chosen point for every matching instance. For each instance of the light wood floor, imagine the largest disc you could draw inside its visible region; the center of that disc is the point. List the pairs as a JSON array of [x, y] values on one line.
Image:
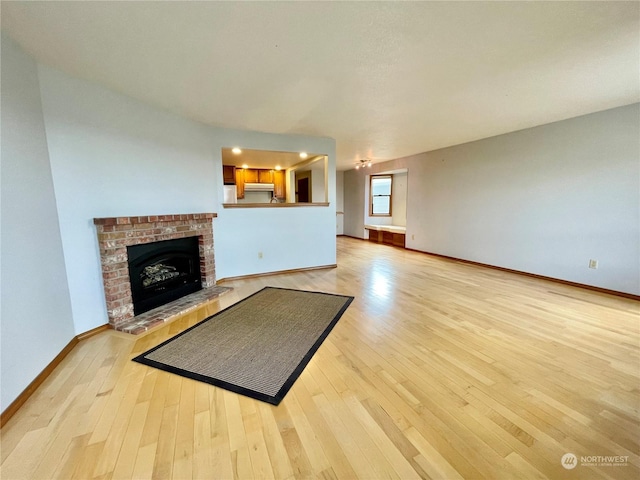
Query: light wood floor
[[437, 370]]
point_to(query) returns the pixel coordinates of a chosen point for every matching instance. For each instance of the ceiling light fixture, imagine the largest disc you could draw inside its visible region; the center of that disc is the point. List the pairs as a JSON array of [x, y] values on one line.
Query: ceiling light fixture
[[244, 165], [303, 155], [278, 168], [363, 162], [236, 150]]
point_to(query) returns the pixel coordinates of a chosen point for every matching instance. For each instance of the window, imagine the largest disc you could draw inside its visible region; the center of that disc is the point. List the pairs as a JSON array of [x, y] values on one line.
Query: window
[[380, 200]]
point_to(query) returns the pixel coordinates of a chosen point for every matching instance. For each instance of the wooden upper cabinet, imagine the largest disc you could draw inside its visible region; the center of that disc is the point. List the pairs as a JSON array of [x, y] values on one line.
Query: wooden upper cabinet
[[279, 189], [229, 174], [265, 176], [240, 183], [257, 175], [250, 175], [254, 175]]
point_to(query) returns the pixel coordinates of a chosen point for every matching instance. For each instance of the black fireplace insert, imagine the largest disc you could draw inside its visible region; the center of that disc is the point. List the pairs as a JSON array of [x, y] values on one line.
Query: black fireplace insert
[[161, 272]]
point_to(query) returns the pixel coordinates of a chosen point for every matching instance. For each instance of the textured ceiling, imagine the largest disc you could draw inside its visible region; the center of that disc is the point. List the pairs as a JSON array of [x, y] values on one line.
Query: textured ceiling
[[385, 79]]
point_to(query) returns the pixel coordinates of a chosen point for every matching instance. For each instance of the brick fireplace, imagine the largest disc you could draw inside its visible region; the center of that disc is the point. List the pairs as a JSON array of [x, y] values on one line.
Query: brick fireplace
[[115, 234]]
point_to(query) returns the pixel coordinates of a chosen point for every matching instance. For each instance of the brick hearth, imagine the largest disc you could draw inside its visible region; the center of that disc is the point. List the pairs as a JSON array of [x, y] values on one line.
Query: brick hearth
[[158, 316], [115, 234]]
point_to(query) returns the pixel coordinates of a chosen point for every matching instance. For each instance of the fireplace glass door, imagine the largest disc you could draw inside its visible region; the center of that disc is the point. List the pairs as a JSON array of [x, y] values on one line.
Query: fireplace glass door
[[161, 272]]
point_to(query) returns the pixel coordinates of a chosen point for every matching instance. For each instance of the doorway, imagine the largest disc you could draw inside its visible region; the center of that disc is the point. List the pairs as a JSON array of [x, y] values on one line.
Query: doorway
[[303, 190]]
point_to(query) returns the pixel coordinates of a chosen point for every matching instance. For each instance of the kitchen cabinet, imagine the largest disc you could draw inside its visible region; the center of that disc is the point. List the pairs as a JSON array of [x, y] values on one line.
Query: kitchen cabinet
[[250, 175], [265, 176], [229, 174], [279, 189], [240, 183], [259, 175]]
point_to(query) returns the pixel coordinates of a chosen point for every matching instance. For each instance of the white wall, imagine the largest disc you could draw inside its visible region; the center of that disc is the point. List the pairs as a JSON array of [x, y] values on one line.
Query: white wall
[[543, 200], [339, 203], [317, 183], [399, 199], [113, 156], [289, 238], [36, 318], [354, 202]]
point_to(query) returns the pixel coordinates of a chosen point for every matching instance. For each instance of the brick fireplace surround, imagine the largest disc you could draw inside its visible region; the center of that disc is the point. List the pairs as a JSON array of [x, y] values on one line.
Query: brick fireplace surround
[[117, 233]]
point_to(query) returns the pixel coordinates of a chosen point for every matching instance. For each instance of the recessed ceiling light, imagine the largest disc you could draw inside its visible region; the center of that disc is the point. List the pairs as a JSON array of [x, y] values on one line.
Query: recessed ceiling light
[[244, 165], [303, 155], [278, 167], [236, 150]]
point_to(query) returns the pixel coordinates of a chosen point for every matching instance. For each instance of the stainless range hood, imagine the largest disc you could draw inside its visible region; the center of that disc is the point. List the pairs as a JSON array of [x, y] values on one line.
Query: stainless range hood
[[258, 187]]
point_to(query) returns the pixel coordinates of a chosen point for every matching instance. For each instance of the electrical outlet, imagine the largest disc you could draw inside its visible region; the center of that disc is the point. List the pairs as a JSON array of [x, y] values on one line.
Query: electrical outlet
[[259, 254], [593, 264], [413, 237]]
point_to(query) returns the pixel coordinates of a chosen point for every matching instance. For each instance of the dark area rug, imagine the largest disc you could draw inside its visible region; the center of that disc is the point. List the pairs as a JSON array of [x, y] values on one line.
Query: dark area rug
[[257, 347]]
